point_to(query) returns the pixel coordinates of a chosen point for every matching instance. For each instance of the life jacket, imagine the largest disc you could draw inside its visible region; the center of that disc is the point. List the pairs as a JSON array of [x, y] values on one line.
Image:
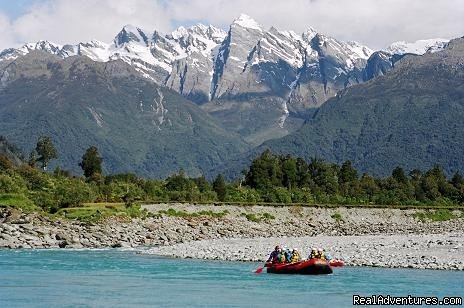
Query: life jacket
[[288, 256], [295, 257], [282, 257]]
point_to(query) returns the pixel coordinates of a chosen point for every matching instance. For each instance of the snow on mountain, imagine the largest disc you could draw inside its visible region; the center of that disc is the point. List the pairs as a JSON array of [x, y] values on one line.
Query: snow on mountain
[[262, 77], [419, 47], [359, 51], [133, 44], [204, 63], [130, 34], [246, 21]]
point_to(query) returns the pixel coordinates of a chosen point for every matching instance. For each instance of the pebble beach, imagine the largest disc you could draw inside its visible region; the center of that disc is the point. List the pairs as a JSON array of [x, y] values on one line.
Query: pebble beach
[[358, 236]]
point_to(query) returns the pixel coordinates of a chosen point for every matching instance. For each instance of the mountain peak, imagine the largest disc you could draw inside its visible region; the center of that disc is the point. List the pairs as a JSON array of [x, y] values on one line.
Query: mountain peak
[[419, 47], [309, 34], [246, 21], [179, 32], [130, 33]]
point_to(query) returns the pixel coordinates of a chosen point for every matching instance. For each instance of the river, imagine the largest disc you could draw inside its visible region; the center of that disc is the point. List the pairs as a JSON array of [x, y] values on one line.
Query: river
[[126, 278]]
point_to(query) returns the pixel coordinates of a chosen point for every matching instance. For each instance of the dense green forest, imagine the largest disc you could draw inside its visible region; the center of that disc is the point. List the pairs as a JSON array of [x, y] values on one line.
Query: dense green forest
[[270, 178]]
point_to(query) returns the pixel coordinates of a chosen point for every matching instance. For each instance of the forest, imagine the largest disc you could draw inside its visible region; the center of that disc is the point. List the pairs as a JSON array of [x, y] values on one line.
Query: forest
[[270, 179]]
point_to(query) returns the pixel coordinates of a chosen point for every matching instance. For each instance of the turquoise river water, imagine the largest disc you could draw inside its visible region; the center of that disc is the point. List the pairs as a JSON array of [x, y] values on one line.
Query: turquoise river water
[[118, 278]]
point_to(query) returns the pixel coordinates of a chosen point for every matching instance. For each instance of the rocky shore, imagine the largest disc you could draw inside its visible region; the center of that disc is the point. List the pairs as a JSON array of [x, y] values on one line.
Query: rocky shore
[[359, 236], [430, 251]]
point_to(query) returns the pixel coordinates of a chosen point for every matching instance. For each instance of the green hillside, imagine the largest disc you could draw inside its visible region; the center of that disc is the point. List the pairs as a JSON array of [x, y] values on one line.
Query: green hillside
[[137, 125], [411, 117]]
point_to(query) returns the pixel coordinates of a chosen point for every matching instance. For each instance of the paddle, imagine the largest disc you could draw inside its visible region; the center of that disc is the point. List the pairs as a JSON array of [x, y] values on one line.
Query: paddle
[[259, 270]]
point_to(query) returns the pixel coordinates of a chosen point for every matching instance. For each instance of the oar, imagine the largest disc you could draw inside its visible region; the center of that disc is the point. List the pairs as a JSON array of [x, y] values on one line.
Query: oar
[[259, 270]]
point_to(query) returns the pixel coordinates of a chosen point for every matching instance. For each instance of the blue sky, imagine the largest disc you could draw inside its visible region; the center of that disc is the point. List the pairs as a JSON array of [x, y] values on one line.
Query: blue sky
[[15, 8], [375, 23]]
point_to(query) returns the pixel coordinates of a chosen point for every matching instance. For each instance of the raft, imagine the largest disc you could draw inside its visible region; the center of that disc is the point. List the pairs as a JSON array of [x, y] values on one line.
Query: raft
[[307, 267], [336, 263]]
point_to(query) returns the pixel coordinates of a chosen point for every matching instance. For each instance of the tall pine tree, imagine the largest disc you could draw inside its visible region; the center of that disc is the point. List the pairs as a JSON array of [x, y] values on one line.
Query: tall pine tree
[[91, 162]]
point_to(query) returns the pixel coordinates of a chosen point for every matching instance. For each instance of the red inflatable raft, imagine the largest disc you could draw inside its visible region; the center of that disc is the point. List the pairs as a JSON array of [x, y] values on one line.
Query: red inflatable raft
[[336, 263], [308, 267]]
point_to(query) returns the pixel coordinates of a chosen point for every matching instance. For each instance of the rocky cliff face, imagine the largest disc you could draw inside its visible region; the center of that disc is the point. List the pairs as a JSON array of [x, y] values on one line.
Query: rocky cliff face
[[411, 117], [261, 83]]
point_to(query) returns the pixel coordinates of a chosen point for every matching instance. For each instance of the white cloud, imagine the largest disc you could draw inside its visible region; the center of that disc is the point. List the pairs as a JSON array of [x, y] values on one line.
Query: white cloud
[[7, 38], [375, 23], [69, 21], [372, 22]]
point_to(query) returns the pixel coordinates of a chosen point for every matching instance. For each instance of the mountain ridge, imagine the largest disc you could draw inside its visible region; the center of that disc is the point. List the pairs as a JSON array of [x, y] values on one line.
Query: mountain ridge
[[260, 83], [411, 117], [137, 125]]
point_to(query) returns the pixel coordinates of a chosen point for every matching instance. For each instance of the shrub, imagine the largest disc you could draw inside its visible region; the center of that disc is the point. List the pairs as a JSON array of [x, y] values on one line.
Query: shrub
[[296, 210], [436, 215], [337, 216], [118, 191], [258, 217], [302, 196], [172, 212], [44, 200], [69, 192], [34, 178], [155, 191], [277, 195], [12, 184], [242, 194]]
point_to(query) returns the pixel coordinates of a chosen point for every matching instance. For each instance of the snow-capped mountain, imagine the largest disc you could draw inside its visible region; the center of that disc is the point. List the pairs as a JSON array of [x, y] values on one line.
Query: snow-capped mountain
[[383, 61], [258, 82], [419, 47], [203, 62]]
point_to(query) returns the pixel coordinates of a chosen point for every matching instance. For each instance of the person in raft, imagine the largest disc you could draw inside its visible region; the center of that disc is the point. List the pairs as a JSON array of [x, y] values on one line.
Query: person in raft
[[288, 254], [276, 256], [319, 253], [295, 256], [324, 255], [313, 254]]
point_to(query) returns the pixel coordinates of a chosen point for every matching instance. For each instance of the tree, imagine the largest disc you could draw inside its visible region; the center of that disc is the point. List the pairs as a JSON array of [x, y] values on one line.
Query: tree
[[368, 186], [179, 182], [289, 172], [323, 175], [457, 180], [265, 171], [32, 159], [399, 175], [91, 162], [347, 173], [219, 186], [416, 175], [202, 184], [303, 176], [46, 151]]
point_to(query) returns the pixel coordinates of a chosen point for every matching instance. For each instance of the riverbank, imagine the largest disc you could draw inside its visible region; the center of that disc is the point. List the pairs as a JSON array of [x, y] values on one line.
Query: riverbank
[[427, 251], [359, 236]]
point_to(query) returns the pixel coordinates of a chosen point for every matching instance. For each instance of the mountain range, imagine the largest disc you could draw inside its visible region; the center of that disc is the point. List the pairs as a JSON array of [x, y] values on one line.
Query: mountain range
[[137, 125], [246, 86], [259, 83], [410, 117]]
